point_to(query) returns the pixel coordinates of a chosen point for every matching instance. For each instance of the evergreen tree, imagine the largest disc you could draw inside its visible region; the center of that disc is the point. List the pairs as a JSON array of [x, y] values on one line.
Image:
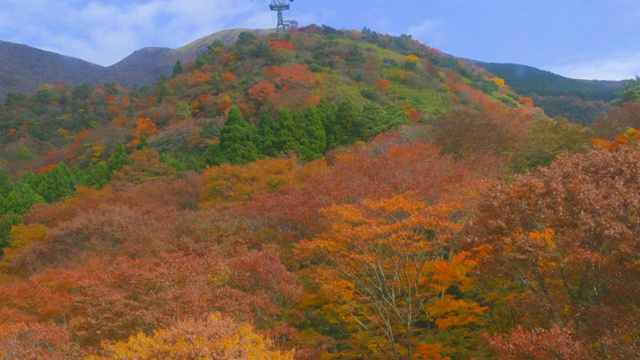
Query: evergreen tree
[[266, 141], [236, 142], [118, 159], [96, 175], [55, 184], [346, 127], [163, 90], [130, 110], [287, 132], [177, 68], [6, 185], [21, 199], [165, 158], [314, 143], [144, 142]]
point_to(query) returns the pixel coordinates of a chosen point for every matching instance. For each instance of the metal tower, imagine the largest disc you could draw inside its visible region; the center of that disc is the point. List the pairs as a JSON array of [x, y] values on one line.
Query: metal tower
[[280, 6]]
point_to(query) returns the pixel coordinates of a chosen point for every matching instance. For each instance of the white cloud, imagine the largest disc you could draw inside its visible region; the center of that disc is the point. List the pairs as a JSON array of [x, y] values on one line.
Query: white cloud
[[425, 28], [427, 31], [104, 32], [620, 66]]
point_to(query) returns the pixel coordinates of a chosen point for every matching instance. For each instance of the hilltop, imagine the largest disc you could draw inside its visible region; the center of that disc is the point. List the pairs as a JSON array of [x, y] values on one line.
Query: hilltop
[[24, 68]]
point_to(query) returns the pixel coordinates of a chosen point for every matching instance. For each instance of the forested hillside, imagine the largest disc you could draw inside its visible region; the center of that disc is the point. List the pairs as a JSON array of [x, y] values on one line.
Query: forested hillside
[[319, 194], [580, 101], [23, 68]]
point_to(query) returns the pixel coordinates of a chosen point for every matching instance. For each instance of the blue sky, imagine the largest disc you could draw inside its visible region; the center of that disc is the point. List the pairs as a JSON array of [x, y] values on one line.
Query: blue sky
[[589, 39]]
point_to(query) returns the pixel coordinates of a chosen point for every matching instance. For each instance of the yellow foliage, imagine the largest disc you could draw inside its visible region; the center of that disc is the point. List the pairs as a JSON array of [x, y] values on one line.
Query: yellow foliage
[[97, 152], [22, 235], [412, 58], [498, 81], [213, 338], [232, 183]]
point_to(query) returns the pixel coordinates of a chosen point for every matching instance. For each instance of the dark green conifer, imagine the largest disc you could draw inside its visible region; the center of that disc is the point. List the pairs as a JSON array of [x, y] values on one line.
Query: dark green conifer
[[177, 68], [119, 159], [21, 199], [266, 140], [236, 145], [314, 144]]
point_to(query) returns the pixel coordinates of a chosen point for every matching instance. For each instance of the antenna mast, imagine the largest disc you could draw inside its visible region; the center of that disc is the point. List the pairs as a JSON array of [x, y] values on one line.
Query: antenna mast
[[280, 6]]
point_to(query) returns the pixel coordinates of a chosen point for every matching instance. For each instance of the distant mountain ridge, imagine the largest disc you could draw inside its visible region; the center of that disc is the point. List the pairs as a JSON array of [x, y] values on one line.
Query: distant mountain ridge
[[528, 80], [24, 68]]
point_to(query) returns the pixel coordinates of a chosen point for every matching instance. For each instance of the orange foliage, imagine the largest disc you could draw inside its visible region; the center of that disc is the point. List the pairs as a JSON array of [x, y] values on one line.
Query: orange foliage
[[284, 45], [262, 91], [144, 127], [199, 77], [388, 264], [527, 101], [291, 75], [229, 77], [77, 143], [383, 84], [46, 168], [632, 136], [412, 113]]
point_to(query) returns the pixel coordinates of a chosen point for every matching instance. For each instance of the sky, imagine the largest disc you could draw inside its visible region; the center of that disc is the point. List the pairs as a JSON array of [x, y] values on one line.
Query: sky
[[583, 39]]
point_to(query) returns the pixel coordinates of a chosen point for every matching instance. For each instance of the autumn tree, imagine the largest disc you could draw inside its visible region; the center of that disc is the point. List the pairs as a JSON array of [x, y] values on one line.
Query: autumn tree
[[391, 266], [563, 244], [215, 337]]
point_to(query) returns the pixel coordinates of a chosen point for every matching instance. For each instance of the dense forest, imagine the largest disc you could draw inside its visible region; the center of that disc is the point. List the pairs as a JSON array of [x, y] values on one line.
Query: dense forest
[[319, 194]]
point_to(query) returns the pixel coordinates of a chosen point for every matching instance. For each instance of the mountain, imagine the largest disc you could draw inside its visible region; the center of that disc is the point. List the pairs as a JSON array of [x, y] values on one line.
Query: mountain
[[527, 80], [580, 101], [24, 68], [145, 65], [337, 194]]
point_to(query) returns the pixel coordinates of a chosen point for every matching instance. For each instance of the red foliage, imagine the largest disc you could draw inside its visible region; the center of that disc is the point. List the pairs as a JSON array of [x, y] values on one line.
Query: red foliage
[[77, 143], [540, 344], [279, 44]]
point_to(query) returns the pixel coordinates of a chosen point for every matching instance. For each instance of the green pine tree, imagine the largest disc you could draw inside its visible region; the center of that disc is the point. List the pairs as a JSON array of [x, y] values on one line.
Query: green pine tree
[[177, 68], [266, 140], [97, 175], [6, 185], [56, 184], [314, 144], [119, 159], [236, 142], [21, 199], [347, 127], [287, 132]]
